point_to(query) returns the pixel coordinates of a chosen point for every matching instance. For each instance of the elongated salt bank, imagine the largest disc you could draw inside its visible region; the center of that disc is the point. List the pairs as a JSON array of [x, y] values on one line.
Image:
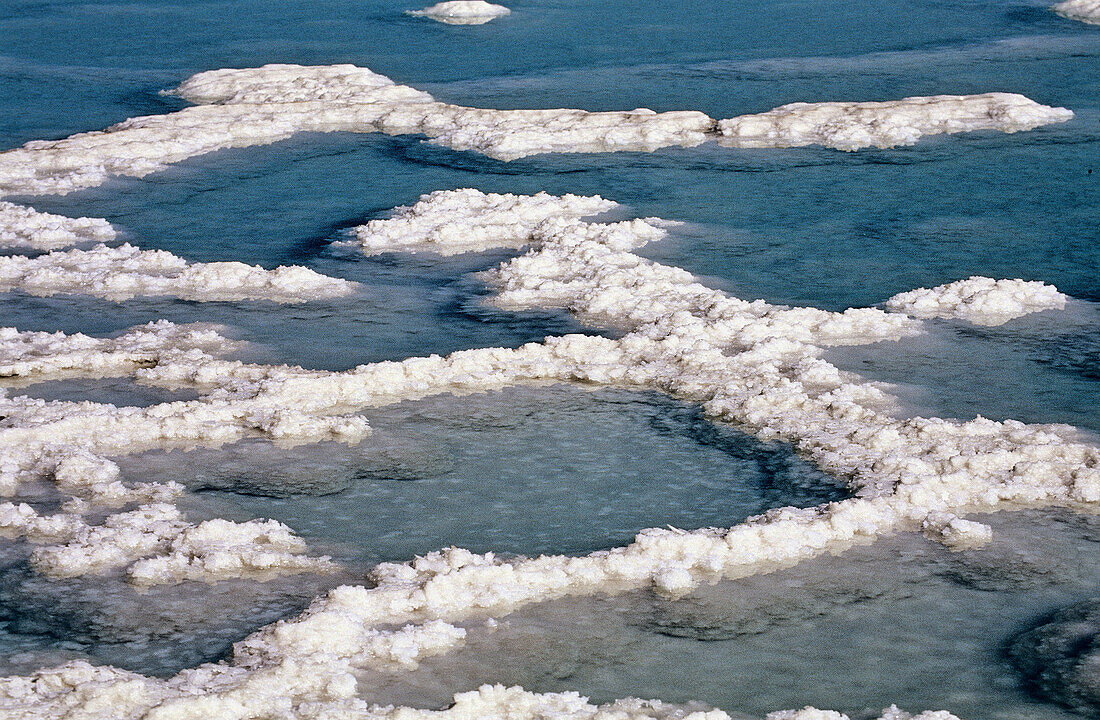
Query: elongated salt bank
[[462, 12], [124, 272], [1087, 11], [979, 300], [855, 125], [449, 222], [42, 355], [217, 549], [26, 228], [257, 106]]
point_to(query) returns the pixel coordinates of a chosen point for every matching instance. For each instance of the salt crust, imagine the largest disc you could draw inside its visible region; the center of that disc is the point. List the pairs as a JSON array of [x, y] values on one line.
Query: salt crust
[[241, 108], [955, 533], [752, 364], [462, 12], [855, 125], [979, 300], [43, 355], [1087, 11], [27, 229], [123, 272], [449, 222]]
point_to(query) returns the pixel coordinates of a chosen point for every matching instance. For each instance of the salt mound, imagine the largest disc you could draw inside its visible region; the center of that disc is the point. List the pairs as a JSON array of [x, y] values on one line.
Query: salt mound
[[450, 222], [855, 125], [126, 271], [462, 12], [281, 83], [1087, 11], [42, 355], [25, 228], [218, 549], [979, 300]]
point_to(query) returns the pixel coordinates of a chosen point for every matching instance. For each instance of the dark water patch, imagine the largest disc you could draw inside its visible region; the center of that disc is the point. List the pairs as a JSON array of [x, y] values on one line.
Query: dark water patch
[[158, 631], [1060, 657], [527, 470], [115, 391], [1032, 369]]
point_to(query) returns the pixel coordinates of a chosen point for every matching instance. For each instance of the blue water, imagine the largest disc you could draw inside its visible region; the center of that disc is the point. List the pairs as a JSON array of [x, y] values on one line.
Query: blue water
[[803, 226]]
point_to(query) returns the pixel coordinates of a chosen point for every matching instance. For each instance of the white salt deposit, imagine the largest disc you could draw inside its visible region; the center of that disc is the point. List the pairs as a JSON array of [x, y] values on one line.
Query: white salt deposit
[[979, 300], [462, 12], [855, 125], [217, 549], [104, 693], [449, 222], [41, 355], [753, 364], [123, 272], [122, 539], [156, 543], [1087, 11], [25, 228], [956, 533], [257, 106], [890, 713]]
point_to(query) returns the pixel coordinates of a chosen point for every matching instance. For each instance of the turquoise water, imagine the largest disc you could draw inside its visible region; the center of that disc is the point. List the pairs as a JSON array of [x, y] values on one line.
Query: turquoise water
[[574, 470]]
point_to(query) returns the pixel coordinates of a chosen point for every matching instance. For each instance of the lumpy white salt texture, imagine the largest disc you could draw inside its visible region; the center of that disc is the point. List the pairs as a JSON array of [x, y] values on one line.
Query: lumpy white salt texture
[[1087, 11], [256, 106], [25, 228], [855, 125], [41, 355], [124, 272], [449, 222], [462, 12], [104, 693], [754, 364], [219, 548], [979, 300]]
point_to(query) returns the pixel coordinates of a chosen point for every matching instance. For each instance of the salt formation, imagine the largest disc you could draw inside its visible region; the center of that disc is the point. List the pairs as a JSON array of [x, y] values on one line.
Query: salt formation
[[58, 692], [124, 272], [216, 549], [855, 125], [979, 300], [1087, 11], [154, 542], [956, 533], [42, 355], [450, 222], [241, 108], [753, 364], [25, 228], [890, 713], [462, 12]]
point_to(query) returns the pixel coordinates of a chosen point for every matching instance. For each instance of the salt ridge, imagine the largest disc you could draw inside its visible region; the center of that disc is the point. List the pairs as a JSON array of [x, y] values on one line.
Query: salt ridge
[[256, 106], [462, 12], [41, 355], [856, 125], [25, 228], [979, 300], [752, 364], [124, 272]]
